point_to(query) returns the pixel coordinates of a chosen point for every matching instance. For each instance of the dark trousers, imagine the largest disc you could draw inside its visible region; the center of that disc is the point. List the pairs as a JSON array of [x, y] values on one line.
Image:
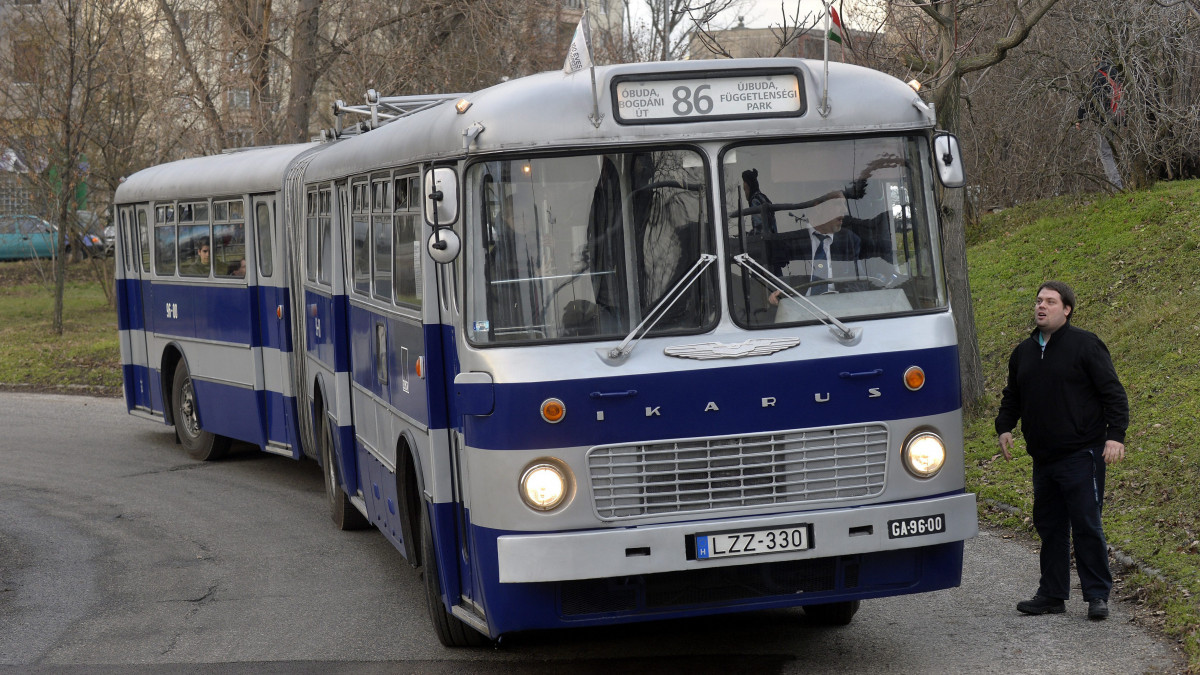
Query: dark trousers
[[1068, 495]]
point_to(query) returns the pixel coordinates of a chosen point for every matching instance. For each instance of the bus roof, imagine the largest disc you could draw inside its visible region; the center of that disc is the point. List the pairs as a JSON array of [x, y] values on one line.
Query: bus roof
[[249, 171], [552, 110], [543, 112]]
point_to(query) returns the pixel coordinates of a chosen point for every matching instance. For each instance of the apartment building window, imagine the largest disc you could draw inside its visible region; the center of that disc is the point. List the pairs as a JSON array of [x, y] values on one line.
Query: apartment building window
[[239, 99], [27, 61]]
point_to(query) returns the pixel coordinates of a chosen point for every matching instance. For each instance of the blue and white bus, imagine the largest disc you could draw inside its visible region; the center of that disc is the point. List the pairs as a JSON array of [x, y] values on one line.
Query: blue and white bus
[[673, 343]]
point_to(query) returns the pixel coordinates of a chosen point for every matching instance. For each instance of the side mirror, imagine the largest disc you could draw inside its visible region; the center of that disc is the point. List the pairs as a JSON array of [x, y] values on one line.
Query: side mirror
[[441, 197], [444, 245], [948, 158]]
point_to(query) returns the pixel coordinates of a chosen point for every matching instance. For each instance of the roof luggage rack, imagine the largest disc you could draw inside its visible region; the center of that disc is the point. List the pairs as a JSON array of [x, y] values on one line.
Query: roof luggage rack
[[381, 110]]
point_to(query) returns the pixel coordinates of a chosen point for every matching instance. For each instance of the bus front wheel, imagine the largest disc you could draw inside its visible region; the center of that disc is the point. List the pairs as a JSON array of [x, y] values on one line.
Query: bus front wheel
[[450, 630], [199, 444], [833, 613]]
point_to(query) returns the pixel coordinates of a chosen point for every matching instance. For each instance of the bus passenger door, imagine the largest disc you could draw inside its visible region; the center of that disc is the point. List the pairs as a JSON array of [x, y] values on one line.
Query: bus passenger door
[[273, 344], [443, 311], [133, 292]]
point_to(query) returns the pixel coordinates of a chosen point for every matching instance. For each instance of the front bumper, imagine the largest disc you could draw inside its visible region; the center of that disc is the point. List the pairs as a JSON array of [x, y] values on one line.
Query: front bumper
[[651, 549]]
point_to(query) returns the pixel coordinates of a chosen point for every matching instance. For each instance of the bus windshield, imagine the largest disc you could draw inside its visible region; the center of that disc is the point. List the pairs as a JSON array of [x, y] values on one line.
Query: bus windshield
[[846, 224], [586, 246]]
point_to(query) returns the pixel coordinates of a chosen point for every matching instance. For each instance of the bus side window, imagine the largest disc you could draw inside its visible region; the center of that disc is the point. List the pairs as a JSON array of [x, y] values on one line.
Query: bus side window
[[164, 240], [263, 243], [311, 252], [361, 232], [381, 228], [229, 242], [325, 237], [407, 244], [143, 239], [127, 244]]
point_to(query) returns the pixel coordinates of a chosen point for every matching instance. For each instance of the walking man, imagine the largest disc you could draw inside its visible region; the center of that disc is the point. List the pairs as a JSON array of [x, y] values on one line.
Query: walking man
[[1063, 387]]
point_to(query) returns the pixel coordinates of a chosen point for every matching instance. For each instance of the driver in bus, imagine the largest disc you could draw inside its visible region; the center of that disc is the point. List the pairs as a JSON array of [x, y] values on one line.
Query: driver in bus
[[821, 250]]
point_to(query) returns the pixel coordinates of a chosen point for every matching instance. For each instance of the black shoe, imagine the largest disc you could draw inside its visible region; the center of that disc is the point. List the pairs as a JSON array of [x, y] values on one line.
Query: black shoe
[[1039, 605], [1098, 609]]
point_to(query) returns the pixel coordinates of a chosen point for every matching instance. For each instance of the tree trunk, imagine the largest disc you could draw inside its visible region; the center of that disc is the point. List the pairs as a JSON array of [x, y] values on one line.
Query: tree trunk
[[954, 233], [303, 70]]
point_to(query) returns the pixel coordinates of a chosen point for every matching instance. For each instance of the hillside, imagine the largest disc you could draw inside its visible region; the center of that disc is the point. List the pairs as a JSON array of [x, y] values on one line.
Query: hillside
[[1134, 262]]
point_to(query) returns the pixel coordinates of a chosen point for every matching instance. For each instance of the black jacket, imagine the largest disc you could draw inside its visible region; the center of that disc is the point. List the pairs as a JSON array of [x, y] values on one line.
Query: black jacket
[[1068, 397]]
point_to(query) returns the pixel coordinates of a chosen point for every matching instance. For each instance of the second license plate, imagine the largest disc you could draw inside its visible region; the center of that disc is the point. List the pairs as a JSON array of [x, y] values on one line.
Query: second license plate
[[753, 542]]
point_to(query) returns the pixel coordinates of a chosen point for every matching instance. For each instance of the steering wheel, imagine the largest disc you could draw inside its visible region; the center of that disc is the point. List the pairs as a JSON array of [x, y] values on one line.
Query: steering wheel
[[835, 281]]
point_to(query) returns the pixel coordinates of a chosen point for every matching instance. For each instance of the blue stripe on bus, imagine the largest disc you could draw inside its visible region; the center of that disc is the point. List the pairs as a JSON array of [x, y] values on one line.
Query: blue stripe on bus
[[220, 313], [274, 322], [142, 388], [405, 342], [324, 321], [236, 412], [720, 401], [227, 310], [129, 304], [233, 412], [440, 371]]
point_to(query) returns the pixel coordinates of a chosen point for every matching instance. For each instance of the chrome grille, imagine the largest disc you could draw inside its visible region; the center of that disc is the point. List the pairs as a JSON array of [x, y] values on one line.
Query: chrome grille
[[709, 474]]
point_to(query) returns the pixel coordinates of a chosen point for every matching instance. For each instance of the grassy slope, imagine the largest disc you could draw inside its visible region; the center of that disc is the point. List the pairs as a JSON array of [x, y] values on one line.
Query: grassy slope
[[1134, 263], [87, 354]]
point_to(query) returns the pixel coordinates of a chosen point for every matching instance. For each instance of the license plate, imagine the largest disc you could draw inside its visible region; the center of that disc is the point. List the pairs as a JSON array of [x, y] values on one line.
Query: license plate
[[753, 542], [915, 527]]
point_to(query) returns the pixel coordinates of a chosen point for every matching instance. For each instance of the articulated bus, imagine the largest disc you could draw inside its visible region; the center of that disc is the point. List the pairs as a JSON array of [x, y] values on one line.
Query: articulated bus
[[666, 341]]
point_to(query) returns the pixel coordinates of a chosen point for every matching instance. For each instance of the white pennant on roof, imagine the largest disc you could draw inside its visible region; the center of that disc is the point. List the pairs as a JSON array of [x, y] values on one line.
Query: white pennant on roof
[[579, 55]]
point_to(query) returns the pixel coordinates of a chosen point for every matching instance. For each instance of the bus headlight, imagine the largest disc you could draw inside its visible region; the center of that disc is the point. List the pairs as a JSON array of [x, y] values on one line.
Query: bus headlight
[[545, 485], [924, 454]]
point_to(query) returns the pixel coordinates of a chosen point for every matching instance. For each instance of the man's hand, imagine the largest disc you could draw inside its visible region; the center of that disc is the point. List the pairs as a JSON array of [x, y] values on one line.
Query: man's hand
[[1114, 451], [1006, 443]]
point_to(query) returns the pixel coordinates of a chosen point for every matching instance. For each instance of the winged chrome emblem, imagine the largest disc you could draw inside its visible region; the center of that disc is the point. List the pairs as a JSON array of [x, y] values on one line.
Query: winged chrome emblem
[[737, 350]]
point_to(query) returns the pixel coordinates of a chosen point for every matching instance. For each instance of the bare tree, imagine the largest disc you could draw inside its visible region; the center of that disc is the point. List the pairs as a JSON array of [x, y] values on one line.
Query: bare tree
[[53, 95], [662, 30], [943, 43]]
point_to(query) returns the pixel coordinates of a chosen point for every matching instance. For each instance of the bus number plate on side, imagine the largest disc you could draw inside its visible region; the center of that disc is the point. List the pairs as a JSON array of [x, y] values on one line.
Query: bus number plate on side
[[753, 542], [915, 527]]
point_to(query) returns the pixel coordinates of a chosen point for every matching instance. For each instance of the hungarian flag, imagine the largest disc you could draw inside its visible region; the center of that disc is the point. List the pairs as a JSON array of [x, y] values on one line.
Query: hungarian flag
[[837, 32]]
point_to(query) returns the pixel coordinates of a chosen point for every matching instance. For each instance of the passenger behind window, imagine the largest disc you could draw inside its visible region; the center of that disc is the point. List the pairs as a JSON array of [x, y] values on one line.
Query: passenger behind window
[[237, 269], [198, 265]]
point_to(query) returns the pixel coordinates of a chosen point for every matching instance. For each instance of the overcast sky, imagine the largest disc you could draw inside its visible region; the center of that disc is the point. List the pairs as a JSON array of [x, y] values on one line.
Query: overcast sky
[[762, 13]]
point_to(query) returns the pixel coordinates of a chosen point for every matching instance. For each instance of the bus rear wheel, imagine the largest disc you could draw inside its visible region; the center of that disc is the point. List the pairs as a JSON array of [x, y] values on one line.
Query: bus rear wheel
[[833, 613], [450, 630], [343, 513], [199, 444]]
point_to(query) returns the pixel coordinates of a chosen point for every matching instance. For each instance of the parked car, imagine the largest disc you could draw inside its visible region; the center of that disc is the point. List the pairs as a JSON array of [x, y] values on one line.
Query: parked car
[[110, 239], [25, 236], [90, 232]]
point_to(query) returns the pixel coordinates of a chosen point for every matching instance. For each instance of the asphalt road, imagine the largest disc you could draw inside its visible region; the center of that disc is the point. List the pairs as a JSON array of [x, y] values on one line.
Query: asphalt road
[[119, 554]]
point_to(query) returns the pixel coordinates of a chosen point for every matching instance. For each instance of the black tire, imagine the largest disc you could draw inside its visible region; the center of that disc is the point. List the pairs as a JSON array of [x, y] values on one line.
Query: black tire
[[450, 630], [199, 444], [341, 511], [833, 613]]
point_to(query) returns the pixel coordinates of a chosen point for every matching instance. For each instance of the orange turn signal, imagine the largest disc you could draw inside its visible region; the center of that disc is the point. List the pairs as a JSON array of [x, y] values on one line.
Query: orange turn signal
[[553, 410], [914, 378]]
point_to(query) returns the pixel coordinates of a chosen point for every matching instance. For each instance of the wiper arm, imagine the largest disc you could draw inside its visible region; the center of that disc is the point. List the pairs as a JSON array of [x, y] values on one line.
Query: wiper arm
[[617, 355], [843, 333]]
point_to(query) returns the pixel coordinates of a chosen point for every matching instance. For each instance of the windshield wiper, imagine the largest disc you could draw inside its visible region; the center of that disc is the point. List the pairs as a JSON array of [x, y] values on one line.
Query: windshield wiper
[[617, 355], [843, 333]]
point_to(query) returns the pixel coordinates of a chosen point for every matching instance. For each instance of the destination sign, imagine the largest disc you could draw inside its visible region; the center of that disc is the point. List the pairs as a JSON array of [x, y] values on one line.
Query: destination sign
[[743, 95]]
